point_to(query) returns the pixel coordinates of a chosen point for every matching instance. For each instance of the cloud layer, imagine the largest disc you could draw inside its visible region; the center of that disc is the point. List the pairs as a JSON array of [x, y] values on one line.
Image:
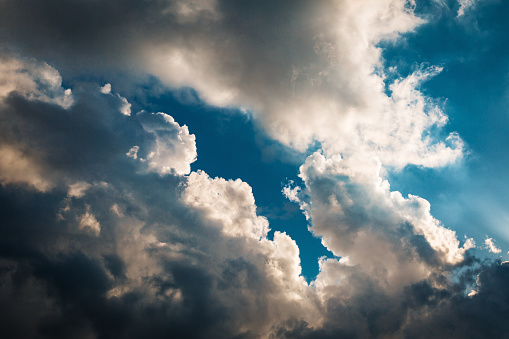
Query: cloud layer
[[107, 232], [306, 71]]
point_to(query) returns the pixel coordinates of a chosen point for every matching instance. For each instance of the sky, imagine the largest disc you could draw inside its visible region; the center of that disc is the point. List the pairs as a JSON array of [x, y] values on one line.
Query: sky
[[254, 169]]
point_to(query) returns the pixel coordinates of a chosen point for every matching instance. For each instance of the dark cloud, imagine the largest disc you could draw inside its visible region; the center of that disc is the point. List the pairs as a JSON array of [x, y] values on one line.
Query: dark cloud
[[110, 250], [423, 311], [459, 316]]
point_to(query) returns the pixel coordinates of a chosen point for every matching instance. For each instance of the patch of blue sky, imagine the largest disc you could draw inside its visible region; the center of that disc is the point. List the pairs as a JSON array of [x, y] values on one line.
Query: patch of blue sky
[[232, 145]]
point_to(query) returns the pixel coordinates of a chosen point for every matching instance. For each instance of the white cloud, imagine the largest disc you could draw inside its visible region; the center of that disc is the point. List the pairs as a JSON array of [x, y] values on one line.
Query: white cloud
[[33, 80], [387, 237], [125, 108], [174, 149], [329, 87], [490, 245], [397, 135], [106, 89], [291, 194], [230, 201], [465, 5], [89, 222], [321, 80], [78, 189], [229, 207], [133, 152]]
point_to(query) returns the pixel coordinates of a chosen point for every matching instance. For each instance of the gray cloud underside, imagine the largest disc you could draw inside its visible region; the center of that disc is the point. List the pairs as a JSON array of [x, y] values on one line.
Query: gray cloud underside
[[96, 243]]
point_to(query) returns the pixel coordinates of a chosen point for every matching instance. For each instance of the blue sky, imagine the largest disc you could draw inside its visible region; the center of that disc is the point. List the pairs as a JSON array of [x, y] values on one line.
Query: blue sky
[[254, 169]]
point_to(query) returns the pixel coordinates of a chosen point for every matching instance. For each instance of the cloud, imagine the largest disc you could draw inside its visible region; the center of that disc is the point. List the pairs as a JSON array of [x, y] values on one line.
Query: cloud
[[137, 253], [106, 89], [16, 168], [127, 246], [88, 221], [125, 107], [331, 86], [468, 317], [465, 5], [174, 148], [490, 245], [291, 194], [33, 80], [107, 232], [215, 196], [77, 190], [133, 152], [307, 82], [386, 242], [351, 195]]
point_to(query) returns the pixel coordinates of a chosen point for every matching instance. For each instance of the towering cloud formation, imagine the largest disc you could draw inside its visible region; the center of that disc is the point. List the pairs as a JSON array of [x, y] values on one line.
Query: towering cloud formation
[[107, 232], [174, 148]]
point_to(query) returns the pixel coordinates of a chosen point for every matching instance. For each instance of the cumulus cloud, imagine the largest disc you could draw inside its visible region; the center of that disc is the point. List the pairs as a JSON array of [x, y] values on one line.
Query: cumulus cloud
[[391, 240], [106, 89], [199, 248], [133, 152], [290, 193], [100, 246], [33, 80], [216, 195], [490, 245], [174, 148], [321, 79], [332, 83], [125, 109]]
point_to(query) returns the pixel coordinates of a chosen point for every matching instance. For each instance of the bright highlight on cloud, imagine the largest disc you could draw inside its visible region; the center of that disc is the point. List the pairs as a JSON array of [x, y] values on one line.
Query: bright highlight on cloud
[[110, 228], [33, 80], [465, 5], [490, 245], [125, 106], [327, 87], [174, 149]]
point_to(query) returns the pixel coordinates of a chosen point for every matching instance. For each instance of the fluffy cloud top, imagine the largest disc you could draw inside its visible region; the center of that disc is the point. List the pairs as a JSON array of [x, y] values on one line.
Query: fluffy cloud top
[[215, 196], [490, 245], [313, 81], [307, 71], [34, 80], [174, 149]]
